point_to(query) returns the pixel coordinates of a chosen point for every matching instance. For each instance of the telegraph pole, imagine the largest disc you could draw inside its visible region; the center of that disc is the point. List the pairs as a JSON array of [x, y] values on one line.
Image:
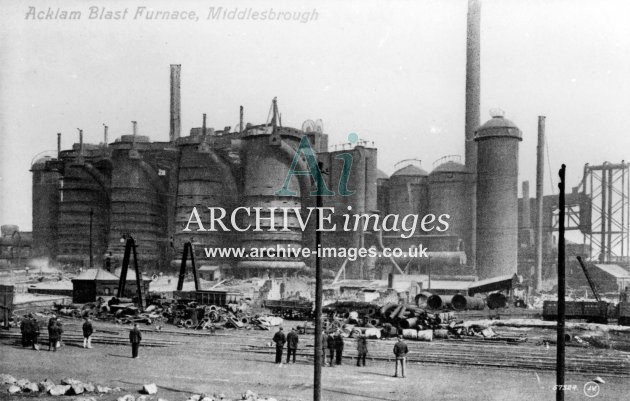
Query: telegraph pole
[[317, 380], [561, 291]]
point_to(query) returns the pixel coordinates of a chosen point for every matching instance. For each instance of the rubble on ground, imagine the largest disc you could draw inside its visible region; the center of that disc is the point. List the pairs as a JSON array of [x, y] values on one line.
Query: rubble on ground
[[71, 387], [66, 386]]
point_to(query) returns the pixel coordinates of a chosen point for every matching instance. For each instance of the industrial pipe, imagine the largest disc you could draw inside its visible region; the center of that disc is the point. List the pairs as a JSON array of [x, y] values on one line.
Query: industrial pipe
[[462, 302], [439, 301], [421, 299], [99, 178], [497, 300], [386, 308], [410, 323], [395, 312]]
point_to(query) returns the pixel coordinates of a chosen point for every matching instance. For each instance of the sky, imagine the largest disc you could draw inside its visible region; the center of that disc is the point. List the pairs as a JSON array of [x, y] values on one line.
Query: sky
[[392, 72]]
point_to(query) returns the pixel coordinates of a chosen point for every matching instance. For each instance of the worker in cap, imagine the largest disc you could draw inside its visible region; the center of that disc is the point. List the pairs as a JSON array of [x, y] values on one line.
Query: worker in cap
[[361, 349], [292, 344], [400, 352], [279, 338], [330, 343], [135, 337], [54, 334], [87, 333], [34, 331], [25, 329], [338, 347], [323, 347]]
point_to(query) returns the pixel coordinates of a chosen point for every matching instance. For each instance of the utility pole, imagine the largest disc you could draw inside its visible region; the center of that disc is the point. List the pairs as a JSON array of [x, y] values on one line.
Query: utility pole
[[317, 380], [561, 291]]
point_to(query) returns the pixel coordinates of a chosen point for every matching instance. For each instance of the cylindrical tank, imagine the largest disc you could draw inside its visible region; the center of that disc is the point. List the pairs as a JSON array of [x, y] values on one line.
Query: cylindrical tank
[[45, 208], [362, 181], [204, 181], [137, 204], [497, 197], [448, 194], [409, 192], [266, 167], [85, 187], [382, 192]]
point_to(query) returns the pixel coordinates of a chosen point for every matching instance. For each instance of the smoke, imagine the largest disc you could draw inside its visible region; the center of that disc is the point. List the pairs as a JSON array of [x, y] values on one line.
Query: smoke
[[41, 264]]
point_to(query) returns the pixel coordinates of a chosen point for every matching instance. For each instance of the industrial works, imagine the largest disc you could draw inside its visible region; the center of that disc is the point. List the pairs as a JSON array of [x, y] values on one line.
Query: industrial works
[[444, 257]]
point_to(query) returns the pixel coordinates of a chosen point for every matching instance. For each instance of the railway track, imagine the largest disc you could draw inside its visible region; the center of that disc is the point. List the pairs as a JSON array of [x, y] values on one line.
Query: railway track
[[522, 356]]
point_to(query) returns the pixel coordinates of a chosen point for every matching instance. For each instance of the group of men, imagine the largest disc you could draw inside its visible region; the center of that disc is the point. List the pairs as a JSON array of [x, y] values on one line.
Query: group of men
[[334, 343], [292, 339], [30, 331], [30, 334], [29, 328]]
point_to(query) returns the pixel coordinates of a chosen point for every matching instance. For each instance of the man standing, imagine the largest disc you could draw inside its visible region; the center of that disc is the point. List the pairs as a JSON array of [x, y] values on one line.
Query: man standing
[[292, 344], [338, 347], [361, 349], [54, 334], [400, 351], [279, 338], [34, 331], [87, 333], [135, 337], [25, 329], [330, 342], [324, 345]]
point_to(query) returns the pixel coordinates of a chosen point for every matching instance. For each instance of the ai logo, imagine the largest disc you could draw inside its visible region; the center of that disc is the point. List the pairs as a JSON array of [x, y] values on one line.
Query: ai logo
[[305, 149], [591, 389]]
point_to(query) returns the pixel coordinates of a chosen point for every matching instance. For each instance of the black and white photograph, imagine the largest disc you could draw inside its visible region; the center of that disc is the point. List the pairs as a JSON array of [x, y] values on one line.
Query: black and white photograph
[[281, 200]]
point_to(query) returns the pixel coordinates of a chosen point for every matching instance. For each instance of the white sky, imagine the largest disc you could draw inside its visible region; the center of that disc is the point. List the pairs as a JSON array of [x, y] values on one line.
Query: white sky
[[393, 72]]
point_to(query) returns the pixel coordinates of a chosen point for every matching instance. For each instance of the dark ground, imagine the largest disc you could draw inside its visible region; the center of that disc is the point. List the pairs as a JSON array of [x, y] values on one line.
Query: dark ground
[[218, 364]]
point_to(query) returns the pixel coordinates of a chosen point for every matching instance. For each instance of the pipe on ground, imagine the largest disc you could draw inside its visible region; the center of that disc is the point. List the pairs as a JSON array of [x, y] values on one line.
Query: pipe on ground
[[439, 301], [462, 302], [497, 300], [421, 299]]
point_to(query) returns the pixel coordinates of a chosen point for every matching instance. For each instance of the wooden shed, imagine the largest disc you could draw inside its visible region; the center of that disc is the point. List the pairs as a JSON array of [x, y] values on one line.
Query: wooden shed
[[94, 283]]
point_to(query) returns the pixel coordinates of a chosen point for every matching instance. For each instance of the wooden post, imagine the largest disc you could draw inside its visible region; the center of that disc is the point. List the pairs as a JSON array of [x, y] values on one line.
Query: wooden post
[[561, 291]]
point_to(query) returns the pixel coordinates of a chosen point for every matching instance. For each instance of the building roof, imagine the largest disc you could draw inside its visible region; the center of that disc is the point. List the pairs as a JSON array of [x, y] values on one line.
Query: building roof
[[498, 126], [448, 285], [96, 274], [410, 170], [208, 268], [450, 167], [614, 270]]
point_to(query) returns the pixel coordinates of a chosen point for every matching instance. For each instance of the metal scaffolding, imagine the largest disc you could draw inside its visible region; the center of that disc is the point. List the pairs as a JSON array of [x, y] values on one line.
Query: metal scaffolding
[[608, 186]]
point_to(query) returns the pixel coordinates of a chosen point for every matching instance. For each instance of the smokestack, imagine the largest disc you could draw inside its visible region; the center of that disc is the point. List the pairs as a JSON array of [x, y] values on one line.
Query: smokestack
[[58, 145], [540, 170], [472, 118], [175, 131], [473, 47], [105, 127], [525, 211], [240, 121], [203, 126], [134, 126], [80, 141]]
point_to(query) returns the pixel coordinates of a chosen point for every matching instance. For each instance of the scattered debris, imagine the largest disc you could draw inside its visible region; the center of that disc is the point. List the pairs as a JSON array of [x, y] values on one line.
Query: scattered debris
[[149, 389]]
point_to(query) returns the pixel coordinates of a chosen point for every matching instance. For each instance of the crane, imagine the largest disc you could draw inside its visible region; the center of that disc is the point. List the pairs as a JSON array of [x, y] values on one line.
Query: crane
[[594, 286]]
